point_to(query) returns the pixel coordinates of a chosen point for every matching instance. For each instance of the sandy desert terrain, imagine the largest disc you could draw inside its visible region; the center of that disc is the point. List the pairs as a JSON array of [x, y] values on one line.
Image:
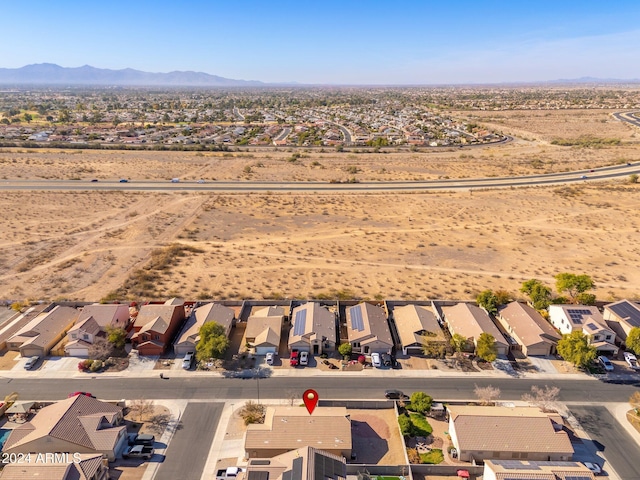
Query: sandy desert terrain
[[86, 245]]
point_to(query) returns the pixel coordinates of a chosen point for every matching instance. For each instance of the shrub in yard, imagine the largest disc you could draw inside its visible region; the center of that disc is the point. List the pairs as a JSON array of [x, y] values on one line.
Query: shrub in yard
[[85, 365], [433, 457], [412, 455], [406, 426], [96, 365]]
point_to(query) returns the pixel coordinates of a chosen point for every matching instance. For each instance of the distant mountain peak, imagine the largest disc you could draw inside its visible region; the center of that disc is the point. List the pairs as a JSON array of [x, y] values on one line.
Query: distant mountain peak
[[52, 74]]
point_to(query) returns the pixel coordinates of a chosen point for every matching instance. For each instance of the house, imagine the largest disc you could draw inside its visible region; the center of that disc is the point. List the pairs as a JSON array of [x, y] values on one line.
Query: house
[[621, 317], [368, 329], [80, 466], [532, 470], [534, 334], [313, 329], [588, 320], [289, 428], [416, 326], [80, 424], [263, 333], [305, 463], [155, 326], [519, 433], [471, 321], [42, 333], [190, 334], [92, 323]]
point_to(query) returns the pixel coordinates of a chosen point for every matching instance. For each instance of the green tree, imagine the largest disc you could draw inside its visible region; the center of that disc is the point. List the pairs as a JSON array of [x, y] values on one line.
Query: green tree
[[573, 284], [116, 336], [406, 426], [28, 117], [586, 299], [633, 340], [458, 342], [64, 116], [539, 293], [503, 297], [344, 349], [488, 300], [420, 402], [486, 347], [213, 341], [574, 347]]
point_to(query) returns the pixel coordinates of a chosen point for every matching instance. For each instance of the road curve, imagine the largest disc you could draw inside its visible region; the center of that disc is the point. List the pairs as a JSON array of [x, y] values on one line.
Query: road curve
[[604, 173]]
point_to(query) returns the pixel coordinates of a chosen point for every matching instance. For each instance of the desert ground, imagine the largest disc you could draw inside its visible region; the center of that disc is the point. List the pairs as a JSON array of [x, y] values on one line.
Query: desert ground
[[135, 245]]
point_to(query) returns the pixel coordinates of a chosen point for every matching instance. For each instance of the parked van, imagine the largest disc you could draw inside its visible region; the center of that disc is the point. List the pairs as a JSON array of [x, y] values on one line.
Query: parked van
[[31, 362]]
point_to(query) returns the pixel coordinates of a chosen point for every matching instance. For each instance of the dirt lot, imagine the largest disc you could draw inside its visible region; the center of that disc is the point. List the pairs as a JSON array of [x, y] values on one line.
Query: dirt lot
[[8, 359], [83, 245], [376, 437]]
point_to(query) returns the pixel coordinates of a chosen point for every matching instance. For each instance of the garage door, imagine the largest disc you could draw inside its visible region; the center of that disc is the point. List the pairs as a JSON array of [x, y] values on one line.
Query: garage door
[[77, 352], [265, 350], [30, 352]]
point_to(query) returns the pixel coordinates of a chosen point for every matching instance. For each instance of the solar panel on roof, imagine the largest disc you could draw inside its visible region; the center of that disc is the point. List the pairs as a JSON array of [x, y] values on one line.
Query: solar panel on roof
[[356, 318], [577, 477], [627, 310], [300, 322]]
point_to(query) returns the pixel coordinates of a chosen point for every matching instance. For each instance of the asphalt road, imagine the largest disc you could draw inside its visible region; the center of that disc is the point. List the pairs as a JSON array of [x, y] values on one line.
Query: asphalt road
[[329, 387], [620, 450], [189, 448], [605, 173], [629, 117]]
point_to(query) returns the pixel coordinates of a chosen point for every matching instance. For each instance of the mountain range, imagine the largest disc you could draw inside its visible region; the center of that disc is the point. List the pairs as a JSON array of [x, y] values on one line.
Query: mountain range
[[52, 74]]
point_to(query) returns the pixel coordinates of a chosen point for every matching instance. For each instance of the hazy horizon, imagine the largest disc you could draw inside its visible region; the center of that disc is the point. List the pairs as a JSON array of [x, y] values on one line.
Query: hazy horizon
[[333, 43]]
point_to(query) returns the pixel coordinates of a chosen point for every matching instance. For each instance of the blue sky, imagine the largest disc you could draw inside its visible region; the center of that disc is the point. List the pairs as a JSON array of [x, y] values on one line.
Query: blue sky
[[332, 42]]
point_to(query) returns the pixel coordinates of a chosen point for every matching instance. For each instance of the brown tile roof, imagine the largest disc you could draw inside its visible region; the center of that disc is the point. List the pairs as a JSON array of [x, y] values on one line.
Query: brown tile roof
[[80, 420], [528, 325], [318, 322], [470, 321], [263, 329], [410, 320], [149, 313], [88, 324], [105, 313], [85, 469], [211, 312], [45, 327], [507, 429], [289, 428], [277, 466], [374, 324]]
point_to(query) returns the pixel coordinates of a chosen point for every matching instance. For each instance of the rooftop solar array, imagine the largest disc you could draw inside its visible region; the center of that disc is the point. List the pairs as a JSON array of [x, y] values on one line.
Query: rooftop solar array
[[577, 477], [517, 465], [328, 468], [576, 314], [592, 326], [627, 310], [356, 318], [299, 322]]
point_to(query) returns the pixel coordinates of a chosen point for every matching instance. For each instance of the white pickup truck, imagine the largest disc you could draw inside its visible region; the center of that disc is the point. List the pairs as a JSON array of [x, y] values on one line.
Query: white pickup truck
[[228, 473]]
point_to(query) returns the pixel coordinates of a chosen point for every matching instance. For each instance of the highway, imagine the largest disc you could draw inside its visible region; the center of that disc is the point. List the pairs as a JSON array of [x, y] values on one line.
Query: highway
[[605, 173], [629, 117]]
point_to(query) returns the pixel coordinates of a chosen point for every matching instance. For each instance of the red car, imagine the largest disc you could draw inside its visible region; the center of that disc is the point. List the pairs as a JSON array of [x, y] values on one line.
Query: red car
[[74, 394], [294, 358]]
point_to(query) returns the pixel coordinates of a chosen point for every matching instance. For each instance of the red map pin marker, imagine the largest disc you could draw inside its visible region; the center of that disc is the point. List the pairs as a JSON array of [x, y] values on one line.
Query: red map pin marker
[[310, 399]]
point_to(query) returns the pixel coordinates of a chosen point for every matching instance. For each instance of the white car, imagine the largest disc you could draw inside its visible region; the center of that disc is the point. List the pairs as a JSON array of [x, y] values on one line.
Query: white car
[[187, 360], [631, 360], [594, 467], [269, 358], [304, 358], [606, 363], [375, 360]]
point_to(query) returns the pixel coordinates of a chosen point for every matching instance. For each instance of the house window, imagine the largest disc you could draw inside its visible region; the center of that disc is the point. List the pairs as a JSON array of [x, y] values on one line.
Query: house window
[[85, 336], [74, 335], [355, 344], [596, 338], [156, 337], [608, 337]]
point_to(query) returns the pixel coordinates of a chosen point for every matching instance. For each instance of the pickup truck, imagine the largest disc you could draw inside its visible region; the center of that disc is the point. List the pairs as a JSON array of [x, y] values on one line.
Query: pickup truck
[[138, 451], [143, 439], [294, 359], [228, 473]]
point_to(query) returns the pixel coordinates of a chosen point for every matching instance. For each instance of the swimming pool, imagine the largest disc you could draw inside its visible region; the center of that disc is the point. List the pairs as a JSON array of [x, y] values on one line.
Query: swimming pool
[[4, 433]]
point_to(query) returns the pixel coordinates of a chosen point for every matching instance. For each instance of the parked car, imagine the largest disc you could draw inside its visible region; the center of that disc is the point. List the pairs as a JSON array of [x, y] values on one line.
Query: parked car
[[304, 358], [31, 362], [294, 358], [141, 439], [631, 360], [394, 395], [124, 180], [138, 451], [375, 360], [269, 358], [75, 394], [594, 467], [606, 363], [187, 361]]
